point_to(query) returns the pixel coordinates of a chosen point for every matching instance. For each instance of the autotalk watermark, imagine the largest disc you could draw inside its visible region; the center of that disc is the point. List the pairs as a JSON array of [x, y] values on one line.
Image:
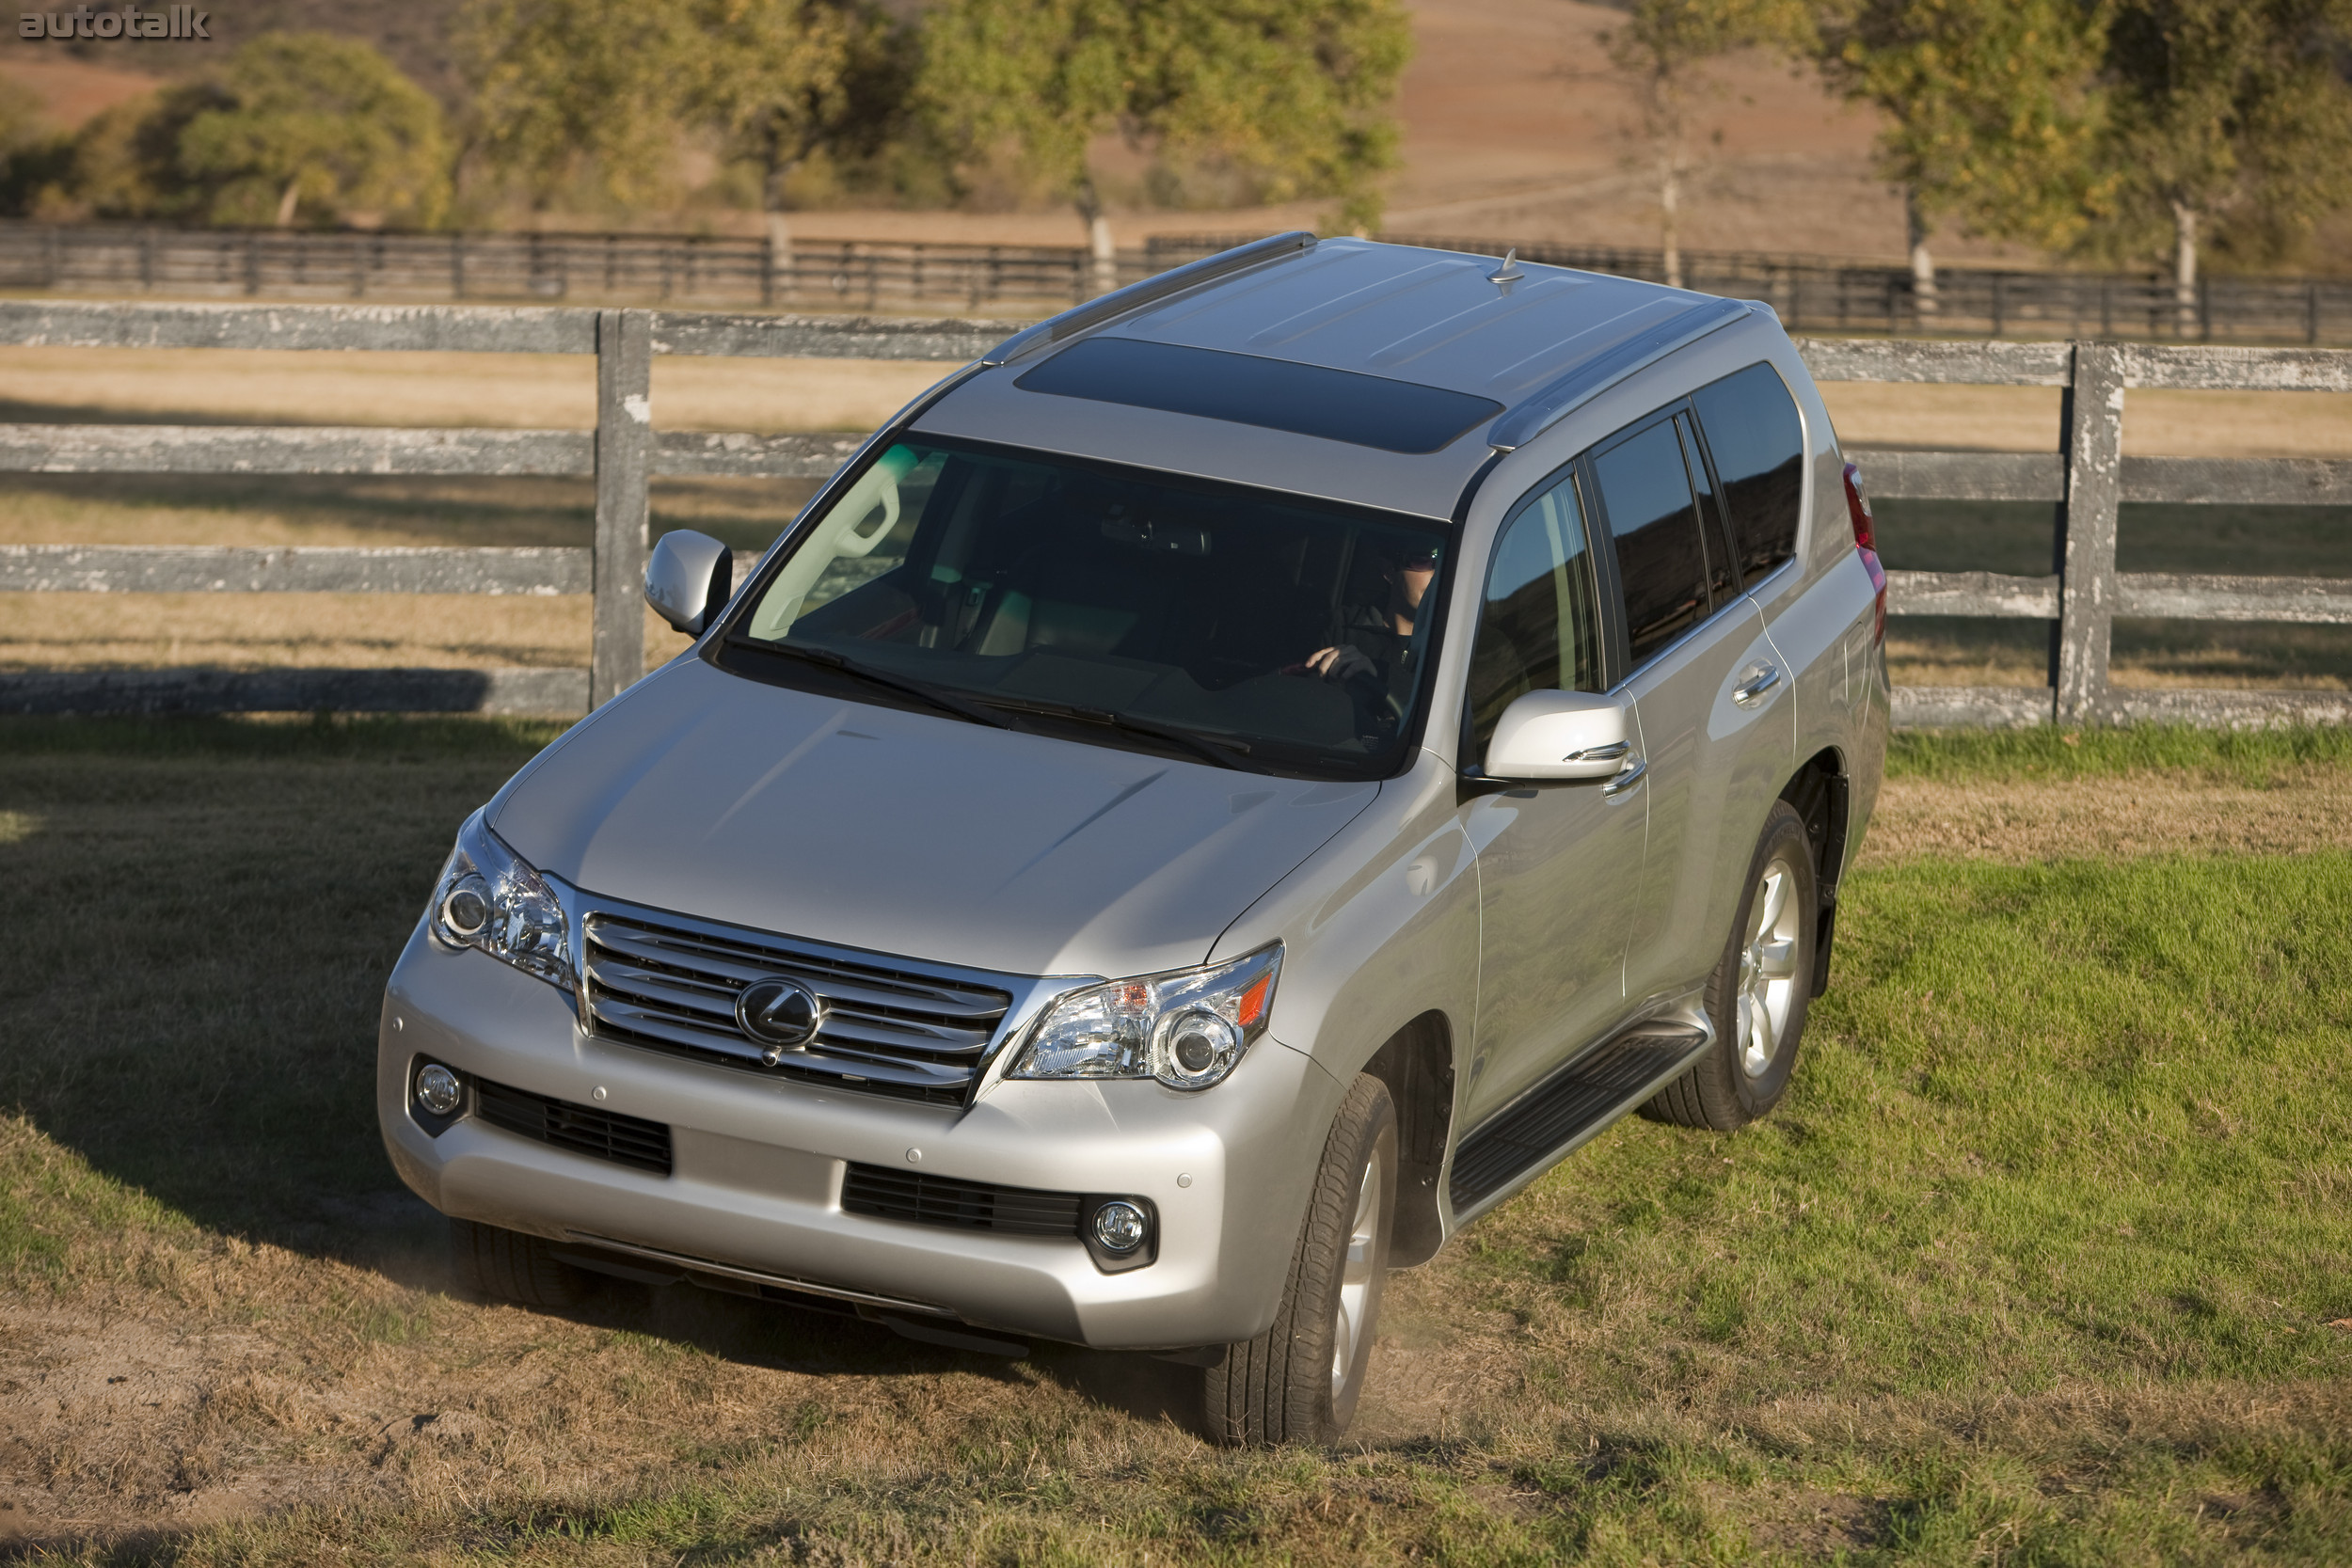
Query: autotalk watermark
[[162, 22]]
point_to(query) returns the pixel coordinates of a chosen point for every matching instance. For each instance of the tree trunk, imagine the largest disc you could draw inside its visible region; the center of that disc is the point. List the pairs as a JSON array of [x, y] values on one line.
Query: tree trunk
[[2185, 267], [779, 161], [779, 280], [1922, 262], [288, 203], [1102, 275], [1669, 214], [1106, 256]]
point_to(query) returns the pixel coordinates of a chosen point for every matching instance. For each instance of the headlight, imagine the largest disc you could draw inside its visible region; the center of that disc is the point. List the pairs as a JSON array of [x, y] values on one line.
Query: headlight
[[1187, 1028], [490, 900]]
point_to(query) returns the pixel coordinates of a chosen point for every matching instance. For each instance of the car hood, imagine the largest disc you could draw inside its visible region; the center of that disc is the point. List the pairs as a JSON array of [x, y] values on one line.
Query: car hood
[[907, 834]]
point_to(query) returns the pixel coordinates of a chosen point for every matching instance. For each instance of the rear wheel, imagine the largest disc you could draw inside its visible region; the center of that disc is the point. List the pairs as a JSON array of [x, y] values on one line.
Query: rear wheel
[[511, 1266], [1299, 1380], [1760, 991]]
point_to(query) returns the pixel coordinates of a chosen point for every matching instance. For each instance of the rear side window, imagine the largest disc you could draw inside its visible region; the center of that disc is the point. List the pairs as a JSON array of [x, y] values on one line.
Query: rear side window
[[1538, 630], [1757, 442], [1661, 549]]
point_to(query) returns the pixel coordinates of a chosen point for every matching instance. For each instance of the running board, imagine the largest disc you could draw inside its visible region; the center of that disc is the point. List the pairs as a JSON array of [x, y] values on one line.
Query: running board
[[1581, 1098]]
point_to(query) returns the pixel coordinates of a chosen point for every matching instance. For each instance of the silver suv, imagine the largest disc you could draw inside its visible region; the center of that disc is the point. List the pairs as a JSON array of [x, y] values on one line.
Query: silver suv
[[1213, 798]]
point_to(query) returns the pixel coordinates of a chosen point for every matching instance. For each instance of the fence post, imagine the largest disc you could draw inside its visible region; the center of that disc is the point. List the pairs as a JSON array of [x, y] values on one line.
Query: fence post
[[2086, 552], [624, 451]]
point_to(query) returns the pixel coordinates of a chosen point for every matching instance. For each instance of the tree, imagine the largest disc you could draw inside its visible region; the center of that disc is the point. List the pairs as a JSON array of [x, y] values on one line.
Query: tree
[[310, 120], [2232, 113], [1293, 94], [1995, 114], [782, 78], [33, 157], [1669, 48], [566, 88], [291, 125]]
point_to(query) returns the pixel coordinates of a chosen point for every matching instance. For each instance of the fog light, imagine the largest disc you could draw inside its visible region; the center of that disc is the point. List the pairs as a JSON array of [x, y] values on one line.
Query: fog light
[[1121, 1226], [437, 1090]]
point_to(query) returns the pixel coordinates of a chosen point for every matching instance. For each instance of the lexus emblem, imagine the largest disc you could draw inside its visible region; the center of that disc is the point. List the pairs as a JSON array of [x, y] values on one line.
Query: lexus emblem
[[778, 1016]]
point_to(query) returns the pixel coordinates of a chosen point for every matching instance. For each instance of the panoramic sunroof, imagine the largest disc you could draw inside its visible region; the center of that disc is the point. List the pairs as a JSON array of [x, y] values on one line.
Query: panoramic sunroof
[[1276, 394]]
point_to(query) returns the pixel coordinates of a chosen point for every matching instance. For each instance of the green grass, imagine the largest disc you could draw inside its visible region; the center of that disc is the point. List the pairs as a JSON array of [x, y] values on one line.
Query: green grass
[[2037, 1264]]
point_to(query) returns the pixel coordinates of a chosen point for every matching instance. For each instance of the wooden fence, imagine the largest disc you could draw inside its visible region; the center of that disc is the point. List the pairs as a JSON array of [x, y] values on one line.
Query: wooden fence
[[708, 269], [2087, 476], [1814, 293]]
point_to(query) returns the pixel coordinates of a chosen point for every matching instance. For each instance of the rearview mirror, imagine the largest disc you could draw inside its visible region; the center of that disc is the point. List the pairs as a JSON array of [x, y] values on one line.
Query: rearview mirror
[[688, 578], [1559, 735]]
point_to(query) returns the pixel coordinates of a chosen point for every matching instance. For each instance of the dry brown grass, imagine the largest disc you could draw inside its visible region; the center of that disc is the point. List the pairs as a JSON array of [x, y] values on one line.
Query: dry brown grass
[[249, 631], [529, 392], [2158, 654], [2111, 818], [2156, 423]]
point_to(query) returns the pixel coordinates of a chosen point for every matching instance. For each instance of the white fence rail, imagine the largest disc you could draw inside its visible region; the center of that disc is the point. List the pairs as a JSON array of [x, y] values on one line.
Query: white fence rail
[[2087, 477]]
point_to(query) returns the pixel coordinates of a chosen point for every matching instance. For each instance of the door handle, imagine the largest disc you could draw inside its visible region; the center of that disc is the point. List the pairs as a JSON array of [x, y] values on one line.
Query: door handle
[[1758, 680], [1629, 779]]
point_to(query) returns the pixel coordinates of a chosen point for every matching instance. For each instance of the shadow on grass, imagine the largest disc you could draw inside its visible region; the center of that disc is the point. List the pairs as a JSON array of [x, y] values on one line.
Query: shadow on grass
[[204, 916]]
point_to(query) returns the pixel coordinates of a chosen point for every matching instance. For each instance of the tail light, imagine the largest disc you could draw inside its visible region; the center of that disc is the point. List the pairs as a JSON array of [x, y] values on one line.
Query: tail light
[[1866, 540]]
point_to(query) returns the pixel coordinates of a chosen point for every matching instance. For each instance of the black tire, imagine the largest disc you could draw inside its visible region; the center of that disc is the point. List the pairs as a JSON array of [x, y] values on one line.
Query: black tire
[[1287, 1385], [507, 1265], [1728, 1088]]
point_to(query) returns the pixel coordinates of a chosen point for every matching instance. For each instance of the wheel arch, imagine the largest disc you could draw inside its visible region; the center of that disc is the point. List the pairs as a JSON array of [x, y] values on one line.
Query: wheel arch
[[1416, 1063], [1821, 791]]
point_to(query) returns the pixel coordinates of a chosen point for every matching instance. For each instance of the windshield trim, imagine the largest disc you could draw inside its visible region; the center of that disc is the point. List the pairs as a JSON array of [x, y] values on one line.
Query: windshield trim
[[1268, 754]]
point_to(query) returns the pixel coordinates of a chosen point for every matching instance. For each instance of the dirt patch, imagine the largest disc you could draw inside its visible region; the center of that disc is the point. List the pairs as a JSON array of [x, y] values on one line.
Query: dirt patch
[[2110, 818]]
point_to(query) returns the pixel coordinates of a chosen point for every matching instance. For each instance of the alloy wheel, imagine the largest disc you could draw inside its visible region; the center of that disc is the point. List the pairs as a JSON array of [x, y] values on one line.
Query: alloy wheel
[[1768, 968], [1359, 1281]]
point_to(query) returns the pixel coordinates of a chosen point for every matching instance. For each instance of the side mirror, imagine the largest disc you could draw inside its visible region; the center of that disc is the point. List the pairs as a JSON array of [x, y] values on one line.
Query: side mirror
[[688, 578], [1559, 735]]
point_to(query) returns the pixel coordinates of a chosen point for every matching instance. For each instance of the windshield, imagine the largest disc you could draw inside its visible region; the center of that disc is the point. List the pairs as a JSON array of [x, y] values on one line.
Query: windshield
[[1104, 604]]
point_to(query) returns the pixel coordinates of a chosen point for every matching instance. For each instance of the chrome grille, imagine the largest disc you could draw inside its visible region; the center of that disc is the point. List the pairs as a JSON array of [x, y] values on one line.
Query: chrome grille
[[670, 984]]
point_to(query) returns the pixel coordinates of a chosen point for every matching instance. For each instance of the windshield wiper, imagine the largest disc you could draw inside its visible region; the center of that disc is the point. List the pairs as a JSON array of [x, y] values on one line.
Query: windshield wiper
[[1223, 753], [920, 690]]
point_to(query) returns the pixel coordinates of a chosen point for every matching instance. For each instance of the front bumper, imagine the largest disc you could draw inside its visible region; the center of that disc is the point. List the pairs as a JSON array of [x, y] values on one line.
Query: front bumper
[[758, 1167]]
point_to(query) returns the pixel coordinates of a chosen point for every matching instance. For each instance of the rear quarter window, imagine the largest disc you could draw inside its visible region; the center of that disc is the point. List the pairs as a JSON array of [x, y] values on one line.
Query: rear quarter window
[[1757, 442]]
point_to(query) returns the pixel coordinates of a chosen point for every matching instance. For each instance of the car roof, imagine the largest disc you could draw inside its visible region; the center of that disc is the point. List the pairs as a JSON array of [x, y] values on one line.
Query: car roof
[[1430, 317], [1426, 318]]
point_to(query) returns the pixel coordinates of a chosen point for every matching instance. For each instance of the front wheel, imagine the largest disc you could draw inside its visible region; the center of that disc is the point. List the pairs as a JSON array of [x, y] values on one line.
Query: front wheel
[[1758, 992], [507, 1265], [1299, 1380]]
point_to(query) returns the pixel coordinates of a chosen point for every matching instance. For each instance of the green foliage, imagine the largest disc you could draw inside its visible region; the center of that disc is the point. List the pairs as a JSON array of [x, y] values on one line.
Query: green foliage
[[1291, 95], [293, 127], [310, 123], [782, 80], [572, 89], [1995, 113], [593, 95], [2231, 110], [32, 158]]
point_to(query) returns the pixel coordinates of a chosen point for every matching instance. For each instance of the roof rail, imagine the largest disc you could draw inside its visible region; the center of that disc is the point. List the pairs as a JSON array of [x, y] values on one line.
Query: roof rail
[[1553, 401], [1094, 312]]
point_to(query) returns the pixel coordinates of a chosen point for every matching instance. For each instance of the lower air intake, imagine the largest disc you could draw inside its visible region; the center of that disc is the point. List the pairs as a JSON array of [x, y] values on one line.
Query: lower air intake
[[883, 1193], [629, 1141]]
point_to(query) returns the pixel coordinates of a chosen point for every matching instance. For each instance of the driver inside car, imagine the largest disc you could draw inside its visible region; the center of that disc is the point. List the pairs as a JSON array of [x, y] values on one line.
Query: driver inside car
[[1375, 651]]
